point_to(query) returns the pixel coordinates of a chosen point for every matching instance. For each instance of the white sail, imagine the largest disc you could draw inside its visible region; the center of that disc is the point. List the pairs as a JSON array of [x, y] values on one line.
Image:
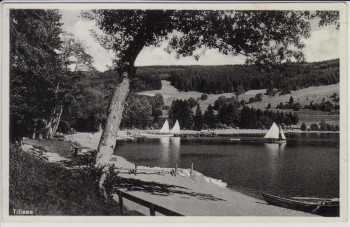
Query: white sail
[[176, 128], [165, 128], [282, 134], [273, 132]]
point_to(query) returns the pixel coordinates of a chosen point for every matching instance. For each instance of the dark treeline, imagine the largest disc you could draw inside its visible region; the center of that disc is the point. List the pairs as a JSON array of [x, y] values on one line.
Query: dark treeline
[[91, 96], [144, 79], [331, 105], [251, 118], [227, 112], [240, 78], [322, 126], [145, 112], [92, 93], [90, 111]]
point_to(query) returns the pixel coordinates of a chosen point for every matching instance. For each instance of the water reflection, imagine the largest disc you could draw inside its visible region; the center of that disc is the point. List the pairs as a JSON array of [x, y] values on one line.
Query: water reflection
[[170, 149], [275, 158], [164, 148], [176, 142], [176, 148], [275, 148], [164, 142]]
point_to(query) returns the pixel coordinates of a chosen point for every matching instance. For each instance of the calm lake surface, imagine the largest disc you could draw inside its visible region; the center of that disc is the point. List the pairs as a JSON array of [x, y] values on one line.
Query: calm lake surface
[[308, 165]]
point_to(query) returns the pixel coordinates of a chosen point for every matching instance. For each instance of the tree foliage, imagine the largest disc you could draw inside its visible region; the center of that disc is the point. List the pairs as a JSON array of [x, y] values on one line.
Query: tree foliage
[[303, 127], [181, 110], [209, 117], [37, 73], [74, 55], [198, 119], [264, 37], [256, 118], [137, 113]]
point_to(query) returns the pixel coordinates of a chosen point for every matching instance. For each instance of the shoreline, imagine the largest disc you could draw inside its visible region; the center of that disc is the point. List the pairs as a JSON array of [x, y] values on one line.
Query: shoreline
[[191, 197], [127, 166], [227, 132]]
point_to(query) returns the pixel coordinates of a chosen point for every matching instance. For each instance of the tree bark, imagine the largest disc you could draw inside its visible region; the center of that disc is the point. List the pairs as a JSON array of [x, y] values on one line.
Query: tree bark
[[109, 134], [54, 119], [55, 123]]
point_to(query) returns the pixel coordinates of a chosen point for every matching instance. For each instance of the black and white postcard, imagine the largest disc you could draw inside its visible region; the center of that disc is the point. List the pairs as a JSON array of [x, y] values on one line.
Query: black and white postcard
[[195, 111]]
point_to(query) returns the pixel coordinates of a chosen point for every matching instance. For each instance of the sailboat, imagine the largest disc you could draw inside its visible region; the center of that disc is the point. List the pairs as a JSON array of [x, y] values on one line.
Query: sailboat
[[165, 131], [176, 128], [275, 135]]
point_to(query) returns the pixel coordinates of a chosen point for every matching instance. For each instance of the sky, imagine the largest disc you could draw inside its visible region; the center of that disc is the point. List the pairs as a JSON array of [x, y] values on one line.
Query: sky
[[322, 45]]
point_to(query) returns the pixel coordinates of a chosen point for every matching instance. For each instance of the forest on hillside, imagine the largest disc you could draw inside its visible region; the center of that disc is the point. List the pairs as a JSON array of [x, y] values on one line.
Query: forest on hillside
[[240, 78], [93, 91], [237, 79], [224, 78]]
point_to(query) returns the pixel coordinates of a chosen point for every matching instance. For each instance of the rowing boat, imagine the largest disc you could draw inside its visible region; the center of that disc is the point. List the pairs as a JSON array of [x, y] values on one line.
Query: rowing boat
[[320, 206]]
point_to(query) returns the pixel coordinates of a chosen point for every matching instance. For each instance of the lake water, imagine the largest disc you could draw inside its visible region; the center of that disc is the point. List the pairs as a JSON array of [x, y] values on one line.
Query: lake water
[[308, 165]]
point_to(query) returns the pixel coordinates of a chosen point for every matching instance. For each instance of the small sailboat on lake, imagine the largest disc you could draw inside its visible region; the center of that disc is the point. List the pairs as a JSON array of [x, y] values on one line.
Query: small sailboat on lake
[[176, 129], [165, 131], [275, 135]]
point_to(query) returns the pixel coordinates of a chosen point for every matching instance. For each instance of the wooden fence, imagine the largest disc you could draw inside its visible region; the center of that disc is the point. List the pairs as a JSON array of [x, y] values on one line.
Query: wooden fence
[[153, 208]]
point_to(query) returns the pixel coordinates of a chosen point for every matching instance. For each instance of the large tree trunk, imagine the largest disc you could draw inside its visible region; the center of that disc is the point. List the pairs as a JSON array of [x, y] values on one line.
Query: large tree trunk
[[54, 119], [109, 135], [55, 122]]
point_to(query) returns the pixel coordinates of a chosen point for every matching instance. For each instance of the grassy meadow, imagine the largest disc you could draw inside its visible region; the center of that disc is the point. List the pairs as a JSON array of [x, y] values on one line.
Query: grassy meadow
[[303, 96]]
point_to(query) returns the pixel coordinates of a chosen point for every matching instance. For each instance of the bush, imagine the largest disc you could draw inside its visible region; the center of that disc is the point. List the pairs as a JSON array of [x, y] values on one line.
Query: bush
[[204, 96], [64, 127], [280, 106], [296, 106], [251, 100], [259, 97], [303, 127], [314, 127], [50, 189]]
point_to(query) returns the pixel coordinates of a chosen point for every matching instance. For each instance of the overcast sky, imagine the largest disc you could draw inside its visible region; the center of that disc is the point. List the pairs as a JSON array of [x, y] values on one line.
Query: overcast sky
[[322, 45]]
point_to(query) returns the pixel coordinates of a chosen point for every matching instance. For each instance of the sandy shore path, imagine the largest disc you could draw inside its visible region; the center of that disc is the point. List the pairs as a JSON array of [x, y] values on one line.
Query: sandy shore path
[[192, 198], [182, 194]]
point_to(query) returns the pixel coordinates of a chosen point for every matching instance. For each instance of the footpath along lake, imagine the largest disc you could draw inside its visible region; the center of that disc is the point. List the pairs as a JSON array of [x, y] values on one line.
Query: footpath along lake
[[308, 165]]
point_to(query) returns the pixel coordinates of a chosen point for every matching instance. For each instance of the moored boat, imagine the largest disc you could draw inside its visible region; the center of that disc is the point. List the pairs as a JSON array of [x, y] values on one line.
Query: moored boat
[[176, 129], [235, 139], [165, 131], [320, 206]]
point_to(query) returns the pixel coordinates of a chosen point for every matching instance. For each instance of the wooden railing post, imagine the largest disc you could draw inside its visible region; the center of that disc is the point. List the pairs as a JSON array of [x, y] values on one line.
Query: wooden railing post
[[175, 169], [121, 205], [191, 174], [153, 208], [152, 211]]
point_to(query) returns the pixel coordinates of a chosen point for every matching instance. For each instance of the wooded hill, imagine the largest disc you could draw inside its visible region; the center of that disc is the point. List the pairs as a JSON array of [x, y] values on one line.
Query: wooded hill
[[93, 90], [240, 78], [232, 78]]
